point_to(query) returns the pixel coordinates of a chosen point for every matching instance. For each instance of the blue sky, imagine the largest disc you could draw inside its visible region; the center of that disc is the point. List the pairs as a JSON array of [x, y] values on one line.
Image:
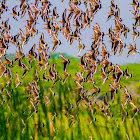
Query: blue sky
[[86, 34]]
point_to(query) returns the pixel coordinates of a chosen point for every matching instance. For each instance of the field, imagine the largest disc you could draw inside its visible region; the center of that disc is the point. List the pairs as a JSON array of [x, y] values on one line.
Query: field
[[58, 116]]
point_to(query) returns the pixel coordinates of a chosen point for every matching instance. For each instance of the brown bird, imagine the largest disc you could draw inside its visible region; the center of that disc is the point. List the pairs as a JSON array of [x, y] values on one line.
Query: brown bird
[[66, 75], [29, 88], [113, 91], [79, 77], [124, 114], [42, 41], [111, 13], [125, 31], [23, 8], [63, 21], [55, 15], [119, 73], [105, 54], [2, 68], [8, 62], [51, 75], [56, 42], [17, 82], [35, 94], [103, 76], [127, 96], [134, 108], [135, 4], [72, 10], [65, 61], [19, 54], [76, 2], [113, 5], [83, 63], [23, 67], [36, 10], [105, 64], [44, 77], [121, 45], [81, 46], [135, 34], [6, 26], [127, 74], [32, 55], [132, 49], [57, 27], [46, 100], [36, 77], [43, 61], [79, 88], [106, 105], [95, 89], [14, 13]]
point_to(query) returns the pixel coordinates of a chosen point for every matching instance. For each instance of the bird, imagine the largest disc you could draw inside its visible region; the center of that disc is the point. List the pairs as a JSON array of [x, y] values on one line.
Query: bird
[[132, 49], [66, 75], [95, 89], [56, 42], [127, 74], [17, 81], [127, 96], [8, 62], [14, 13], [111, 13], [134, 108], [79, 88], [51, 75], [81, 46], [103, 76], [65, 61], [55, 15], [2, 68], [113, 91], [32, 55], [124, 113]]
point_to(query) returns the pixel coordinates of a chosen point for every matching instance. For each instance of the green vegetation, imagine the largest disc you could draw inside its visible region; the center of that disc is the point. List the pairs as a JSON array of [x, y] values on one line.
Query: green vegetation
[[19, 121]]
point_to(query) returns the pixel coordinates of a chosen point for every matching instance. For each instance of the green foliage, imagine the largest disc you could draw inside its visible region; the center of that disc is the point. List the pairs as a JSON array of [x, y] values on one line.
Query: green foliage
[[51, 120]]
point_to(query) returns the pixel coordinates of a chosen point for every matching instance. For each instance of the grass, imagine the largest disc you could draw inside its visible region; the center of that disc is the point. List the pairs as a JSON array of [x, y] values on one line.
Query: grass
[[20, 121]]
